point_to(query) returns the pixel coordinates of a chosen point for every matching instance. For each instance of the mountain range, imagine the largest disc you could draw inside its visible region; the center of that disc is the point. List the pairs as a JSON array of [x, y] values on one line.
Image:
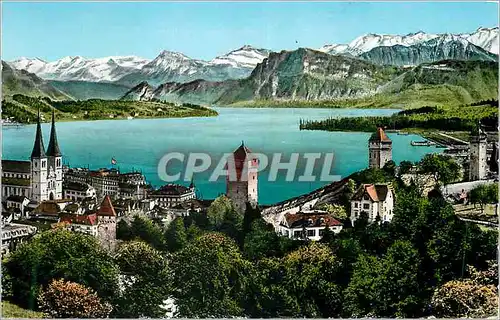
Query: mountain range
[[168, 66], [371, 65]]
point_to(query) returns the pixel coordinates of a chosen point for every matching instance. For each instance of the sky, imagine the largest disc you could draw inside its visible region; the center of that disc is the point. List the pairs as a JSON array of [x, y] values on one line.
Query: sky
[[204, 30]]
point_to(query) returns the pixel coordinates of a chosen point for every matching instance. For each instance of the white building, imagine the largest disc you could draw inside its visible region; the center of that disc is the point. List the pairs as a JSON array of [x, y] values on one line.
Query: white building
[[40, 178], [312, 222], [380, 149], [77, 191], [18, 203], [171, 195], [374, 199]]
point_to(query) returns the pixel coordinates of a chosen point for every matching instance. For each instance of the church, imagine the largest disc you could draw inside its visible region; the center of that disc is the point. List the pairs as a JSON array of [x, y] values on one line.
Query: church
[[40, 178]]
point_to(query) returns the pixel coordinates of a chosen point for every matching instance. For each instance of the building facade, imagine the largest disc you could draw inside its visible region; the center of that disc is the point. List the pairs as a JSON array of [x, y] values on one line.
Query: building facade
[[312, 223], [477, 155], [375, 200], [242, 178], [379, 149], [171, 195], [78, 191]]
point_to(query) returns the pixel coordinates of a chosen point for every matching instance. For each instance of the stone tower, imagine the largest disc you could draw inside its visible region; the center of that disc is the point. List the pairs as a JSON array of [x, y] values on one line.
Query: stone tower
[[380, 149], [106, 224], [39, 167], [55, 175], [243, 187], [477, 155]]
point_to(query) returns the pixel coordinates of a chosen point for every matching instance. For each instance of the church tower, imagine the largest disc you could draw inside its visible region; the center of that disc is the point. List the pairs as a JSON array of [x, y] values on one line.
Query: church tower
[[39, 167], [54, 174], [477, 155], [243, 188], [379, 149]]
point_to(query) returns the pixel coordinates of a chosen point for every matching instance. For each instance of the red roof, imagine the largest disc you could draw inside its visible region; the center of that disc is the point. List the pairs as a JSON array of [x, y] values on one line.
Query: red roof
[[90, 219], [380, 136], [106, 208], [241, 153]]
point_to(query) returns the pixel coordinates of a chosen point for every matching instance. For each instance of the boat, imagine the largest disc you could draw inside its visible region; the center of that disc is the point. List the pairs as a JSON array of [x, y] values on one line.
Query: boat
[[130, 118], [423, 143], [402, 133]]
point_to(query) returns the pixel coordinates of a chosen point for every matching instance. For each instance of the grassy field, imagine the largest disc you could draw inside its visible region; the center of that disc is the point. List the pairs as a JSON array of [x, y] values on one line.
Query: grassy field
[[23, 109], [10, 310]]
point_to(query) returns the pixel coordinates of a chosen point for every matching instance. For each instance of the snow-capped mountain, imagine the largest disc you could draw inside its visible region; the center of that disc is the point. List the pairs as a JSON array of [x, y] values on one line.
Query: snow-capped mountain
[[171, 66], [244, 57], [486, 38], [78, 68]]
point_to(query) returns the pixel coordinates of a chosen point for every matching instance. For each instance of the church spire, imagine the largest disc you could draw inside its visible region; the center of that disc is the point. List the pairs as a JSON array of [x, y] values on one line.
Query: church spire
[[53, 149], [38, 148]]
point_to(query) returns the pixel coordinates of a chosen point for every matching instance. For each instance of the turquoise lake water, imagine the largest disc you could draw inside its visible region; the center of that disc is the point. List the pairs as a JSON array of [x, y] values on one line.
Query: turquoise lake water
[[140, 143]]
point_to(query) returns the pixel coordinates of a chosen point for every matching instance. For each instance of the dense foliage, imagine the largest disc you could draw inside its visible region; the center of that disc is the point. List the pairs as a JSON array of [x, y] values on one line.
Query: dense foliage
[[462, 118], [24, 109], [66, 299], [232, 264]]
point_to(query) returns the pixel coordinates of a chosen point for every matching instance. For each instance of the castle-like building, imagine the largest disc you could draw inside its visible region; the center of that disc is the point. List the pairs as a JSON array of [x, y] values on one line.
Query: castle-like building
[[243, 187], [477, 155], [379, 149], [40, 178]]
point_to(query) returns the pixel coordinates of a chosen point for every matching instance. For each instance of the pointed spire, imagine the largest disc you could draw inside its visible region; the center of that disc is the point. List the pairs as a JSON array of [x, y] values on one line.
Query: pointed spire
[[38, 147], [53, 149], [106, 208]]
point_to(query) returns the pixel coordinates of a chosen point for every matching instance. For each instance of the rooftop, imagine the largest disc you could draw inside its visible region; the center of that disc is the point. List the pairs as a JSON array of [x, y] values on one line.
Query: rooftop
[[106, 208], [16, 182], [380, 135], [298, 220], [172, 190], [68, 185], [17, 166], [87, 219], [376, 192]]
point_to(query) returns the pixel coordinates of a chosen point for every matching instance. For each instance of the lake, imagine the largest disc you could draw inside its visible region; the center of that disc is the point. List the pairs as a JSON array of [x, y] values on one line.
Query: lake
[[139, 144]]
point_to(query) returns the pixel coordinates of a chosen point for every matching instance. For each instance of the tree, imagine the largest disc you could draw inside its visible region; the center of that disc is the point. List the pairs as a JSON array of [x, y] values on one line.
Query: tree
[[123, 231], [56, 254], [175, 236], [262, 241], [390, 168], [484, 194], [216, 213], [441, 166], [145, 283], [66, 299], [209, 277], [405, 167], [144, 229], [337, 211], [465, 299]]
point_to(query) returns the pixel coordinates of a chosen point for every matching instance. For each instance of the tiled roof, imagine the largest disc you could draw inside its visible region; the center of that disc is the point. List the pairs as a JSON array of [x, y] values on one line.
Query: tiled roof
[[241, 152], [48, 208], [380, 135], [106, 208], [16, 166], [376, 192], [298, 220], [88, 219]]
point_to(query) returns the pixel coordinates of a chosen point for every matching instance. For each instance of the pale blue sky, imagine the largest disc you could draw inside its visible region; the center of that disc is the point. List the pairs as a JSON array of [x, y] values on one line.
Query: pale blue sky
[[204, 30]]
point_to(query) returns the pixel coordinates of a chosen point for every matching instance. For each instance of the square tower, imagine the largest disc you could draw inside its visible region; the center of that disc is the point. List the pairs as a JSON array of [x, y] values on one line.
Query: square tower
[[477, 155], [242, 187], [379, 149]]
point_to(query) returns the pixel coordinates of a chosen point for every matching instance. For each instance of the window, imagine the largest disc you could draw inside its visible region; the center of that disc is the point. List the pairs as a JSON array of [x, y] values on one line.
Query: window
[[366, 206], [297, 234], [321, 232], [366, 197], [43, 164], [311, 233], [355, 204]]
